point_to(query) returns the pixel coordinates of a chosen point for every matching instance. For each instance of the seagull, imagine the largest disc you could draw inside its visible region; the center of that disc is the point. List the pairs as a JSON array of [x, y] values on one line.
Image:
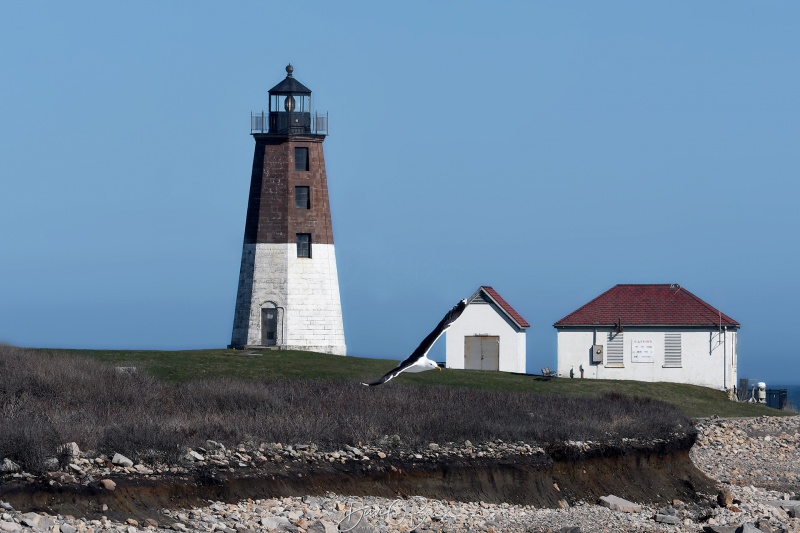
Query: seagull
[[418, 361]]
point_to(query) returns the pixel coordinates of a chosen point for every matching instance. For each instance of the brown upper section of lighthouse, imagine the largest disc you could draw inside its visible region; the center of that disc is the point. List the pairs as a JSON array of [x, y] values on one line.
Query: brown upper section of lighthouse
[[272, 213]]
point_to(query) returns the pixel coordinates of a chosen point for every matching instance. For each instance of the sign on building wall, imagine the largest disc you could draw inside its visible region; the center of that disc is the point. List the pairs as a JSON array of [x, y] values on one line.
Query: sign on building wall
[[642, 351]]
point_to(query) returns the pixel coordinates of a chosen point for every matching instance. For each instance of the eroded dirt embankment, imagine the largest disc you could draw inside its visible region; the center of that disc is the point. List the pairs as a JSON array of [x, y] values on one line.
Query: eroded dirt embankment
[[655, 473]]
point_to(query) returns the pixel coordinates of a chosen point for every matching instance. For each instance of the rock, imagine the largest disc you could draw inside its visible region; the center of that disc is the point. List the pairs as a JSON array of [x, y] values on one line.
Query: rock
[[143, 469], [30, 519], [668, 519], [357, 523], [784, 504], [194, 456], [214, 445], [9, 526], [433, 446], [9, 466], [121, 460], [322, 526], [724, 498], [62, 477], [277, 523], [71, 451], [354, 451], [615, 503], [108, 484], [177, 526], [66, 528], [763, 526], [721, 529], [748, 528]]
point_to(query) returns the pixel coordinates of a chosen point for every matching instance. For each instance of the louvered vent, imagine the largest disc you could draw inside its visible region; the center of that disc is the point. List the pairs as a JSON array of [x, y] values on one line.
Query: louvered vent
[[481, 298], [672, 349], [614, 352]]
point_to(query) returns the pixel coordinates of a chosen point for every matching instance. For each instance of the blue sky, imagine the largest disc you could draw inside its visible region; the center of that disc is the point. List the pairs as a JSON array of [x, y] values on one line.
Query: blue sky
[[549, 149]]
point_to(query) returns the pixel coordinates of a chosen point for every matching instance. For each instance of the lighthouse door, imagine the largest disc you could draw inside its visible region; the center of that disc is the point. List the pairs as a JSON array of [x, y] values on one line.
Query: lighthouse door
[[269, 326]]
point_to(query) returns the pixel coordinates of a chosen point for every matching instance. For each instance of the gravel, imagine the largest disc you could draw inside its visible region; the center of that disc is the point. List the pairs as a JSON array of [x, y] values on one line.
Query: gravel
[[756, 461]]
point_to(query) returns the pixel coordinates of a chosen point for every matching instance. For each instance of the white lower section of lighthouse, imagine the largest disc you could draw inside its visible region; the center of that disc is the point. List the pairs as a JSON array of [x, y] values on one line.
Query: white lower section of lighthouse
[[289, 302]]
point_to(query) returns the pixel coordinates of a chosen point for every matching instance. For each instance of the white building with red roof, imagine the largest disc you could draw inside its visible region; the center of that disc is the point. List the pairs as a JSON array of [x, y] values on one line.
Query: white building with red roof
[[659, 332], [489, 335]]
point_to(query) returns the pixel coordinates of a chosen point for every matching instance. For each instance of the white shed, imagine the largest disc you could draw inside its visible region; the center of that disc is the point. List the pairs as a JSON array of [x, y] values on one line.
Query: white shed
[[658, 332], [489, 335]]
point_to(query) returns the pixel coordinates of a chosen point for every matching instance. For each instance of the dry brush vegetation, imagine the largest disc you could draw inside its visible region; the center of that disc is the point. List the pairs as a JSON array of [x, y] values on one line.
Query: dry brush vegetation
[[47, 400]]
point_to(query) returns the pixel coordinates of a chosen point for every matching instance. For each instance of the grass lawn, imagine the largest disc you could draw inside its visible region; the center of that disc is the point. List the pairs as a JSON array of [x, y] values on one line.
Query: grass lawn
[[178, 366]]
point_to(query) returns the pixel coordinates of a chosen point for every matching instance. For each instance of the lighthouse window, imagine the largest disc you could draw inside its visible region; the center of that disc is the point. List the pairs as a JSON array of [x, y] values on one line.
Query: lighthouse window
[[302, 198], [304, 245], [300, 158]]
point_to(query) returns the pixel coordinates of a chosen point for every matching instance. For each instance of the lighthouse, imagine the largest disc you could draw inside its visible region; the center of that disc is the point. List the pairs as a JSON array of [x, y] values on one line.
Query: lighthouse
[[288, 293]]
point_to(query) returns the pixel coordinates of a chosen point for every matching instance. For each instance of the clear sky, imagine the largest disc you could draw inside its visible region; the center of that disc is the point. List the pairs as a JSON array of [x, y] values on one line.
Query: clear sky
[[549, 149]]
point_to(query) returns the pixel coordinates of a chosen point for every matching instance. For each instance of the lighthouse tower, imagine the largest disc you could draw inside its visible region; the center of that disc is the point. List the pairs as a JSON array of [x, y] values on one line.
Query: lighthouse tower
[[288, 294]]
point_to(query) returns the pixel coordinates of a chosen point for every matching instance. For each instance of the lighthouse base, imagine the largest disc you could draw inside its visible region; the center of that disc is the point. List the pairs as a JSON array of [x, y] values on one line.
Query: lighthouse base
[[288, 302]]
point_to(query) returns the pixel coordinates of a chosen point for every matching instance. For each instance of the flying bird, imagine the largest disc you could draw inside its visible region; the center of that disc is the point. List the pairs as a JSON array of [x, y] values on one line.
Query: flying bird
[[418, 361]]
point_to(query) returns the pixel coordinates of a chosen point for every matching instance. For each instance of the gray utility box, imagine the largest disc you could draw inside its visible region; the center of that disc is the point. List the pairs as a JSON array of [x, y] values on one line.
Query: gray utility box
[[597, 354]]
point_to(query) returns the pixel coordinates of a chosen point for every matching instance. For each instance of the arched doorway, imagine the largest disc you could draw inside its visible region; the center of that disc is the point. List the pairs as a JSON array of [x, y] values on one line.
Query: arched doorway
[[270, 324]]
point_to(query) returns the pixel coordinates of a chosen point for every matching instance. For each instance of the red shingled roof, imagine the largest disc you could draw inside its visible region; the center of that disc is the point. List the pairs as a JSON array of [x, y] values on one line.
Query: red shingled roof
[[504, 305], [647, 305]]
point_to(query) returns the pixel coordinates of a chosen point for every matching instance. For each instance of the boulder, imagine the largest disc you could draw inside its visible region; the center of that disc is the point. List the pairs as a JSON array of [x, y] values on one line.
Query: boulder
[[121, 460], [748, 528], [615, 503], [724, 498], [668, 519], [194, 456], [277, 523], [357, 523], [9, 466], [71, 451]]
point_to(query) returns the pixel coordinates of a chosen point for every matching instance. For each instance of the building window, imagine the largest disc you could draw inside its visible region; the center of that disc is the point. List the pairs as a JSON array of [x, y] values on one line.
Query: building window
[[672, 350], [614, 354], [304, 245], [302, 198], [300, 158]]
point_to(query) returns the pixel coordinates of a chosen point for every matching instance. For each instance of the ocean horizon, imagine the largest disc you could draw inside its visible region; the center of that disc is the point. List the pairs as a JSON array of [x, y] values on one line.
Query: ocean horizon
[[792, 394]]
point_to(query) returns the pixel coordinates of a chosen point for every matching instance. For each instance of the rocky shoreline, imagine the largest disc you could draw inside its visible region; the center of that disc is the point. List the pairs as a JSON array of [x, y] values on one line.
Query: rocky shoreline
[[755, 461]]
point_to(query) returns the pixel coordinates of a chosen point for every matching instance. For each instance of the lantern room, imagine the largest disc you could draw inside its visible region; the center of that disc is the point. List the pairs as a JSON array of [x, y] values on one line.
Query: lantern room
[[290, 106]]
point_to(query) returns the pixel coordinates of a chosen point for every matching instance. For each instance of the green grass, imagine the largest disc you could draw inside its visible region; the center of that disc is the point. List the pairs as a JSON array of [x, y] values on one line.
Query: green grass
[[180, 366]]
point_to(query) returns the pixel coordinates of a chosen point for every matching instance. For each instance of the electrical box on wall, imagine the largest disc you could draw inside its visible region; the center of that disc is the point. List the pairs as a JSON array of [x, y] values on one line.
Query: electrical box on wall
[[597, 354]]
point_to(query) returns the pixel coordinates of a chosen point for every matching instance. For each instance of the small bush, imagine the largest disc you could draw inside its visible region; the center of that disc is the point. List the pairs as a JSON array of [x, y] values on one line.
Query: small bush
[[28, 440]]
